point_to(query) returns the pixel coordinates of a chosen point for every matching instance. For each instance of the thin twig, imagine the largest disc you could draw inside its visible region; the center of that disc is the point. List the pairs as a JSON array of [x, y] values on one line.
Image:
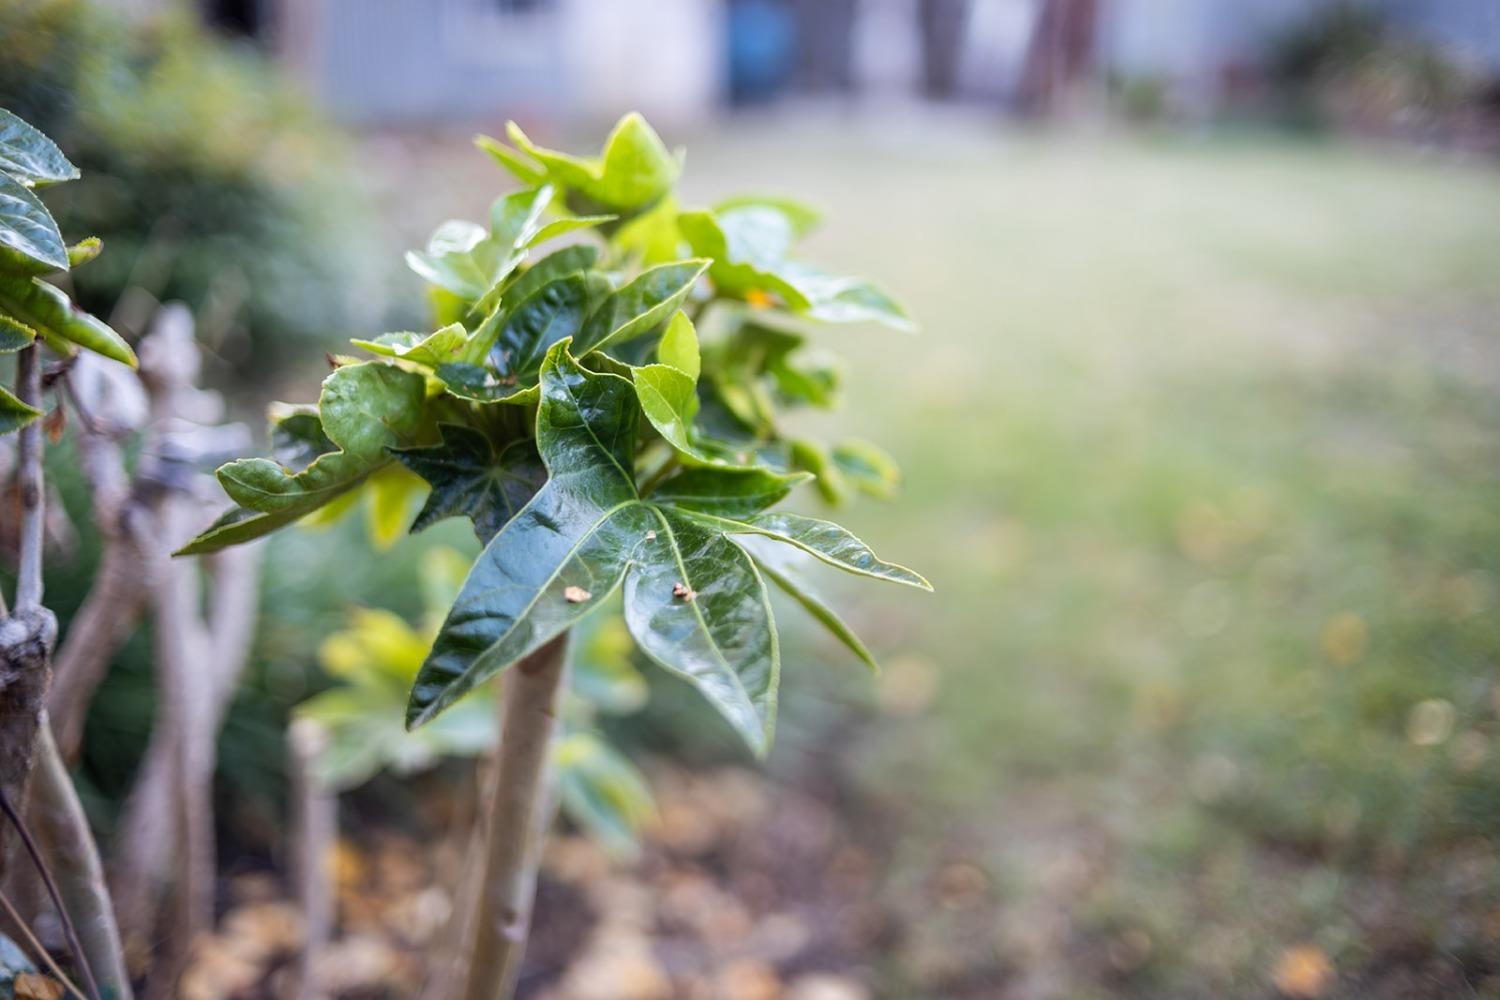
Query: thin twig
[[69, 930], [36, 946], [29, 479]]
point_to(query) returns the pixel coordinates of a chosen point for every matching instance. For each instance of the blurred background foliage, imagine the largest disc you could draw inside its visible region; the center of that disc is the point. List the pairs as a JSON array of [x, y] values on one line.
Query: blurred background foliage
[[209, 178]]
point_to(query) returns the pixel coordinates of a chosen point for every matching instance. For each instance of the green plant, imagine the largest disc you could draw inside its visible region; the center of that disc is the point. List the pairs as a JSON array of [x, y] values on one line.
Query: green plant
[[568, 408], [34, 313]]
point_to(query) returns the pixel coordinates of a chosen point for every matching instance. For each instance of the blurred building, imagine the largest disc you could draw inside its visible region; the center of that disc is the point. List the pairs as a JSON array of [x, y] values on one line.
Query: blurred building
[[427, 60]]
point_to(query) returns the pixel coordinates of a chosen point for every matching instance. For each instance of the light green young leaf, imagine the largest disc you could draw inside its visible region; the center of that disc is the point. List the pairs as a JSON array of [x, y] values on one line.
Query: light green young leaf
[[633, 173], [679, 347], [429, 350]]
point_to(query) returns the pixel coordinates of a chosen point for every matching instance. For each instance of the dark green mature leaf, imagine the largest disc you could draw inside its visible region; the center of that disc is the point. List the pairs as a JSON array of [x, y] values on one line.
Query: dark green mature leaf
[[644, 303], [551, 313], [698, 606], [15, 414], [566, 551], [575, 259], [364, 409], [694, 599], [469, 478], [832, 543], [726, 492], [29, 156], [45, 309], [799, 591], [28, 234]]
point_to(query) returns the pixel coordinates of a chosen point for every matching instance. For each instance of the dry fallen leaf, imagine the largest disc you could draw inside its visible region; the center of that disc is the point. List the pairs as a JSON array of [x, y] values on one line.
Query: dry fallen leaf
[[1304, 972], [32, 986]]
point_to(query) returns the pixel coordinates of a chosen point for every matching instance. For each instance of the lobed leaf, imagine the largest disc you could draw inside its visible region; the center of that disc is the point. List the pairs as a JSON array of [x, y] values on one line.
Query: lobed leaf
[[469, 478]]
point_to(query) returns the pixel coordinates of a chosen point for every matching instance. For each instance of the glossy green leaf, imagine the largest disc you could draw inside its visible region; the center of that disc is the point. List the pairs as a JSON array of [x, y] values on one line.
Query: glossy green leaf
[[832, 543], [670, 400], [297, 437], [363, 410], [725, 492], [602, 791], [469, 478], [478, 384], [577, 532], [698, 606], [47, 310], [15, 414], [644, 303], [14, 334], [571, 260], [750, 246], [652, 237], [553, 312], [29, 156], [693, 600], [28, 234], [799, 591]]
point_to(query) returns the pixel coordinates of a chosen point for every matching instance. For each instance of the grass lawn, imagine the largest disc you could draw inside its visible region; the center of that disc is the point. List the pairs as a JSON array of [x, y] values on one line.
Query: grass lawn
[[1202, 446]]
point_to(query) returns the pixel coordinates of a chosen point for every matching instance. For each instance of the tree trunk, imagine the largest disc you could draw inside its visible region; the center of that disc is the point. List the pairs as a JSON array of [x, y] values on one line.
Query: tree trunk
[[1061, 54]]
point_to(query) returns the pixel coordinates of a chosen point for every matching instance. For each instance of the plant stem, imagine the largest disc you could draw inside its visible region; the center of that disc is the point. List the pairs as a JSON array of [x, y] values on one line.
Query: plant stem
[[61, 827], [519, 814], [29, 482]]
